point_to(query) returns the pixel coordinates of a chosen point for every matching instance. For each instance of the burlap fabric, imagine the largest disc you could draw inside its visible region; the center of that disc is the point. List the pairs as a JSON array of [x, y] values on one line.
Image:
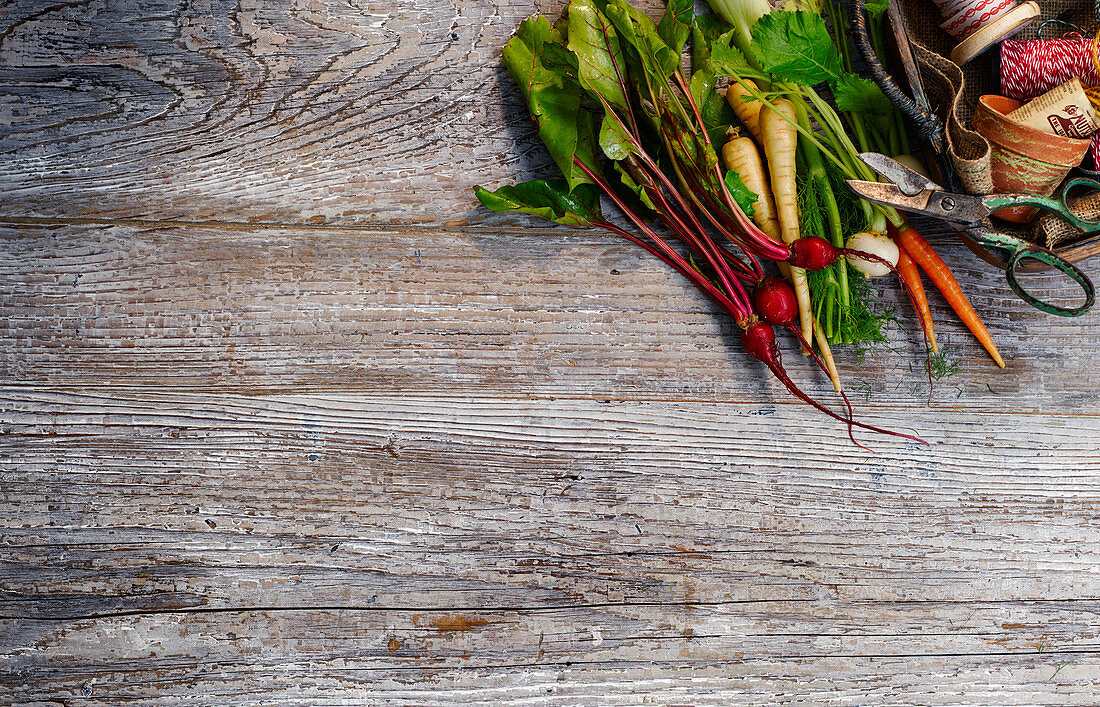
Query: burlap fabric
[[953, 91]]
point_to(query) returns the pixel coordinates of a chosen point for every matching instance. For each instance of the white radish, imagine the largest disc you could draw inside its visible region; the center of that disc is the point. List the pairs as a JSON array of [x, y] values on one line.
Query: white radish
[[874, 244]]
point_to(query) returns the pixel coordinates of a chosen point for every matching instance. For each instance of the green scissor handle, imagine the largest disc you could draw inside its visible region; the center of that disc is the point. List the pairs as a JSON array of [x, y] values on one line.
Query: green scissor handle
[[1059, 205], [1014, 251]]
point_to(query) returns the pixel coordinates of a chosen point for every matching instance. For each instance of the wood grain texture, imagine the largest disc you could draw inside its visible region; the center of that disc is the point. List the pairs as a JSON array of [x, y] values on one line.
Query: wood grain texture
[[284, 418], [447, 550], [547, 313], [270, 110], [226, 477]]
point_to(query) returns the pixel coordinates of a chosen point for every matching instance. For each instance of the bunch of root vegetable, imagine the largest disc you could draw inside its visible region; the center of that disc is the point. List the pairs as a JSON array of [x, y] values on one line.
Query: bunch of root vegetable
[[606, 91]]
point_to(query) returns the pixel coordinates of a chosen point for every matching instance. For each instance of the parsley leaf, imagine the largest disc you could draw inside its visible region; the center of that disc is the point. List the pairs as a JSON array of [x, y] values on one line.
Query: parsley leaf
[[860, 95], [863, 96], [727, 60]]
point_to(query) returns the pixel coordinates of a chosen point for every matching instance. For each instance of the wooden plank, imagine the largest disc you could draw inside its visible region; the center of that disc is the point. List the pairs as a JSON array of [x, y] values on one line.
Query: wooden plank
[[535, 313], [696, 656], [508, 502], [282, 110], [441, 550]]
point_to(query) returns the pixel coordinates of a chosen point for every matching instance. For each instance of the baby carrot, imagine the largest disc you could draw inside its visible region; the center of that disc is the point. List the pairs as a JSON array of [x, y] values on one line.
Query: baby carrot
[[908, 271], [919, 250]]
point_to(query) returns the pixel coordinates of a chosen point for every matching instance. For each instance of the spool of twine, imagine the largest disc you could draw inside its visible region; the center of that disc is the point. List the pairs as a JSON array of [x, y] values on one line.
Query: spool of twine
[[979, 24], [1031, 67], [962, 18]]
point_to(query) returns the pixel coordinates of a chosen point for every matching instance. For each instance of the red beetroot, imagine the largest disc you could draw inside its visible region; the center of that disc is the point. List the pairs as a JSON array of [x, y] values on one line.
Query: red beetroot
[[776, 303], [813, 253]]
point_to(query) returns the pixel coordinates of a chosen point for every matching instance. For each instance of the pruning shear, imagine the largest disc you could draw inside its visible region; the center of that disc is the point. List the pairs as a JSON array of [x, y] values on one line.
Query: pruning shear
[[913, 192]]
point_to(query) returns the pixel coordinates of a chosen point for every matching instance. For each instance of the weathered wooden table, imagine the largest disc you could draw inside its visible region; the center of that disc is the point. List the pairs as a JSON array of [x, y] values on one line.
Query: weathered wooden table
[[287, 417]]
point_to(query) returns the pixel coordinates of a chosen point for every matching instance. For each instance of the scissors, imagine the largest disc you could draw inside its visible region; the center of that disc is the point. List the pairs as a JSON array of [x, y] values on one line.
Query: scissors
[[913, 192]]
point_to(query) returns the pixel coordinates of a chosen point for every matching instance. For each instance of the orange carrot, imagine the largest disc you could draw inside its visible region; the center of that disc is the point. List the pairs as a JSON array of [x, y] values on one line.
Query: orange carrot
[[919, 250], [907, 270]]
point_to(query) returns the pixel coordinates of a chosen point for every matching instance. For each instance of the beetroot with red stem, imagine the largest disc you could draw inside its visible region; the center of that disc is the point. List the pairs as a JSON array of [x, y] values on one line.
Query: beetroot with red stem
[[760, 342], [777, 304]]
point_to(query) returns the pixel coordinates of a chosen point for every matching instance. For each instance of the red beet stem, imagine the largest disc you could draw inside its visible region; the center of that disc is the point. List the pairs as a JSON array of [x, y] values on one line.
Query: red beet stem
[[821, 364], [762, 346]]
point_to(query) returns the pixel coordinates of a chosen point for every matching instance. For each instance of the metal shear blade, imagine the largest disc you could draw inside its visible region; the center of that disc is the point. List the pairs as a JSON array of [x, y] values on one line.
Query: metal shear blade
[[958, 208], [912, 191], [909, 182]]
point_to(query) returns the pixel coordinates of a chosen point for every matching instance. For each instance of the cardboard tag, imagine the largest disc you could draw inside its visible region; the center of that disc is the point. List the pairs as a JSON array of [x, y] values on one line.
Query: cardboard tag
[[1064, 110]]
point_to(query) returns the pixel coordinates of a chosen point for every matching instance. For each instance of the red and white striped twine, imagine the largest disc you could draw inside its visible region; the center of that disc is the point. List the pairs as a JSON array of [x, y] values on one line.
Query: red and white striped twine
[[1031, 67]]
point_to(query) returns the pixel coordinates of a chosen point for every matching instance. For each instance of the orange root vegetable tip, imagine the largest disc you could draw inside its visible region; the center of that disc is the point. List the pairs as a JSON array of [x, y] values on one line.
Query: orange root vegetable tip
[[937, 271], [910, 275]]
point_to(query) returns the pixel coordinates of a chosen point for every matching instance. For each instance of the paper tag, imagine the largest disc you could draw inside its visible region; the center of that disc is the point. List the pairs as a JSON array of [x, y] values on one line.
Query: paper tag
[[1064, 110]]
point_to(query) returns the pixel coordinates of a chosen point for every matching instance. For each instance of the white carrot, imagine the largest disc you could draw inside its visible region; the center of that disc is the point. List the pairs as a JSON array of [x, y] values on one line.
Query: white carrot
[[741, 156], [746, 108], [780, 144]]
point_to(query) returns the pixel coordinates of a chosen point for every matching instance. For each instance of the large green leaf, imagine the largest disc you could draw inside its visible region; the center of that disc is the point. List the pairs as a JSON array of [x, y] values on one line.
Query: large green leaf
[[553, 98], [601, 68], [702, 84], [552, 200], [675, 25], [717, 117], [638, 31], [795, 47]]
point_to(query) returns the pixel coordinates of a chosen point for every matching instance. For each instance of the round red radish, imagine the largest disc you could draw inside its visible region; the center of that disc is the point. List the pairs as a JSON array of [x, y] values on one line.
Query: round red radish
[[813, 253], [775, 301]]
